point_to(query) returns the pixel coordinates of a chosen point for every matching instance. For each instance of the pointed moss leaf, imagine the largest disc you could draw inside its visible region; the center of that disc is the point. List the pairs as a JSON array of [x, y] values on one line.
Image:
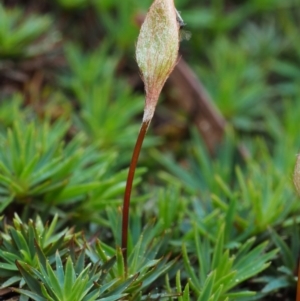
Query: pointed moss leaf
[[276, 284], [54, 284], [45, 293], [218, 249], [79, 264], [49, 230], [188, 266], [186, 293], [71, 192], [28, 277], [297, 174], [123, 285], [285, 250], [30, 237], [207, 287], [69, 277], [41, 256], [107, 267], [106, 286], [10, 183], [29, 168], [80, 288], [112, 298], [10, 258], [10, 281], [120, 262], [216, 294], [91, 296], [58, 243], [59, 268], [153, 274], [240, 294], [244, 249], [32, 295]]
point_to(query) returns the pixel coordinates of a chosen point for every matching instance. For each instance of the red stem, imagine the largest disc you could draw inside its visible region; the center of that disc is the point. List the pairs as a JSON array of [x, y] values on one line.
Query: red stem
[[126, 201]]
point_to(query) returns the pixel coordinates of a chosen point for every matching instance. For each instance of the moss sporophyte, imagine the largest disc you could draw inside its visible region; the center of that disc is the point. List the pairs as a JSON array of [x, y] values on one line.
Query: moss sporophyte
[[156, 56]]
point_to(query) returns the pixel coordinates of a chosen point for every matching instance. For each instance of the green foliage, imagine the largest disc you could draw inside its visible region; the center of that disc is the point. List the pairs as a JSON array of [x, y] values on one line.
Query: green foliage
[[270, 200], [17, 34], [269, 44], [73, 4], [38, 170], [87, 69], [285, 263], [74, 282], [216, 19], [95, 117], [11, 110], [291, 76], [257, 202], [142, 262], [117, 15], [241, 95], [170, 208], [254, 200], [202, 169], [20, 242], [213, 18], [219, 272], [52, 265], [36, 256]]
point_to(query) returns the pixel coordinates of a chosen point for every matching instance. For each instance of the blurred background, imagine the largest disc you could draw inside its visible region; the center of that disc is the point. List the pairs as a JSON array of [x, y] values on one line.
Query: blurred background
[[76, 57]]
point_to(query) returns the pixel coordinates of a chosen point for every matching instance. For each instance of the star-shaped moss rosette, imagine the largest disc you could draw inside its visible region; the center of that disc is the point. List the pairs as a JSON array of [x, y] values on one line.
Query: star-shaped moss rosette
[[156, 55]]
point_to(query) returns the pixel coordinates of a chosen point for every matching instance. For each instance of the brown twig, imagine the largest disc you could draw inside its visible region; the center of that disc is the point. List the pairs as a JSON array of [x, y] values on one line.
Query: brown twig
[[195, 100]]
